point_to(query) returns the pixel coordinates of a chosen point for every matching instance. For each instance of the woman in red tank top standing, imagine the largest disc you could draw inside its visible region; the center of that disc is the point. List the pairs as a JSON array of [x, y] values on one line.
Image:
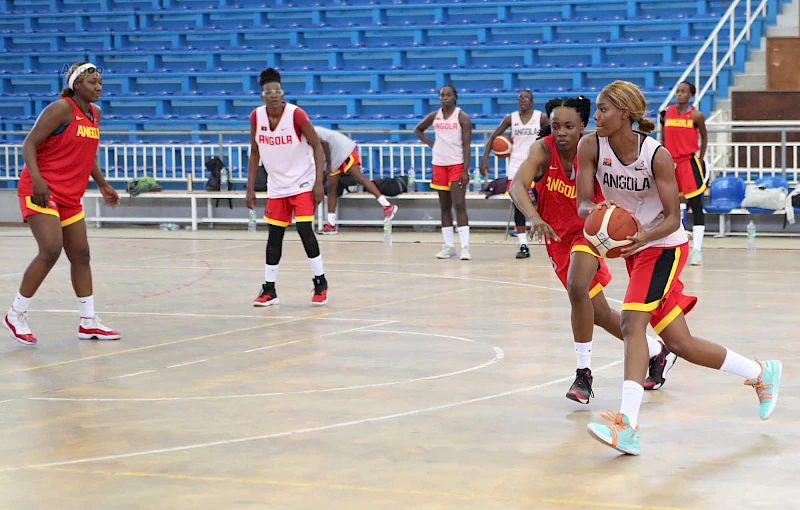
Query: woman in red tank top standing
[[59, 155], [681, 125]]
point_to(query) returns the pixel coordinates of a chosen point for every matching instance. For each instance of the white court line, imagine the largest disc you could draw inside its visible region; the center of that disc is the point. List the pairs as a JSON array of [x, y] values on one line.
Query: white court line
[[332, 426], [499, 355], [156, 257], [326, 334], [131, 375], [187, 363], [159, 314]]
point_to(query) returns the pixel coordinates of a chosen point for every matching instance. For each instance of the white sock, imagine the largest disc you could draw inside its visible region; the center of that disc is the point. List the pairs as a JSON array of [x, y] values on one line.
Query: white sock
[[523, 239], [270, 273], [382, 200], [21, 303], [737, 364], [86, 307], [332, 218], [584, 352], [697, 237], [654, 346], [463, 236], [447, 233], [632, 393], [316, 265]]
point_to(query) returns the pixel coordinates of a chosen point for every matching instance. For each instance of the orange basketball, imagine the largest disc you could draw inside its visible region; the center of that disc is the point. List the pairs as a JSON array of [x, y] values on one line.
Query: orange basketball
[[501, 146], [607, 230]]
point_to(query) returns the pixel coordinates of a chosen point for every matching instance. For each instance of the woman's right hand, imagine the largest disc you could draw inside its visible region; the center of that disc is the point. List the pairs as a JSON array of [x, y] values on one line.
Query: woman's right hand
[[540, 230], [41, 193], [484, 168], [250, 199]]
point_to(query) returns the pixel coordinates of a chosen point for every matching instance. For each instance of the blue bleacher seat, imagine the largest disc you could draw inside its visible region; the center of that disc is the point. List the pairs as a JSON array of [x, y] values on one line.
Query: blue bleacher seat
[[727, 194]]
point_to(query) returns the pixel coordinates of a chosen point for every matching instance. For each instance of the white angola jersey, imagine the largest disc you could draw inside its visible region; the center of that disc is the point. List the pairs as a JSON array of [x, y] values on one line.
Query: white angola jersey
[[285, 153], [447, 146], [634, 187], [522, 136]]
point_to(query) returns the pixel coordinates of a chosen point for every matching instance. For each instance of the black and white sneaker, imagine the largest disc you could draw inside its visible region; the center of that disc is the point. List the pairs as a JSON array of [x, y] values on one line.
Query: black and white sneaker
[[660, 365], [523, 252], [581, 389]]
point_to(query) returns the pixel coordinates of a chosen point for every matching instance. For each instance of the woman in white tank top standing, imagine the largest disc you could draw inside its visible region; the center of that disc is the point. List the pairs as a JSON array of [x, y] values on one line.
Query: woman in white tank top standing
[[451, 155], [525, 126], [637, 173]]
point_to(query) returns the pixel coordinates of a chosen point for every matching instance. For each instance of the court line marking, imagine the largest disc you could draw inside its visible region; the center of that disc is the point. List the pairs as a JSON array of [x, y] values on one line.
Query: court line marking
[[357, 488], [230, 332], [499, 354], [188, 363], [332, 426], [131, 375], [203, 315]]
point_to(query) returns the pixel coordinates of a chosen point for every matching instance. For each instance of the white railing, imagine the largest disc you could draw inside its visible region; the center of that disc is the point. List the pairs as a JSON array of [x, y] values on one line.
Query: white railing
[[185, 163], [726, 31]]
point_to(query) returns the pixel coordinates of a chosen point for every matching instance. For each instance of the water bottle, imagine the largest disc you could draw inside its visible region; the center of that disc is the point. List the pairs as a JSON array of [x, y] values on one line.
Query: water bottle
[[169, 226], [387, 233], [477, 180], [751, 236], [223, 179], [412, 182], [251, 224]]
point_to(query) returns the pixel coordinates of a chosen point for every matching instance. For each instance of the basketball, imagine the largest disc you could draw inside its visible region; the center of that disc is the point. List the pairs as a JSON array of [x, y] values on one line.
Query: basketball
[[607, 230], [501, 146]]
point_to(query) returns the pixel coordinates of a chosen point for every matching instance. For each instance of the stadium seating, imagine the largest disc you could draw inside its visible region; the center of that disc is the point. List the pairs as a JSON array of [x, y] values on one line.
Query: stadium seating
[[194, 64]]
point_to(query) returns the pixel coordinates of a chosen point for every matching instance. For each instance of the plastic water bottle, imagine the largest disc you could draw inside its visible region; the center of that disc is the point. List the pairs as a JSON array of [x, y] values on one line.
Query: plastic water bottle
[[169, 226], [251, 224], [751, 236], [387, 233], [477, 180], [412, 182], [223, 179]]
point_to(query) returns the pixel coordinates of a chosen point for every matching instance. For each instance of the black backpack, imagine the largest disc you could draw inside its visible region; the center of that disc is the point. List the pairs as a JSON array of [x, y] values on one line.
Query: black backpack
[[214, 165], [392, 186]]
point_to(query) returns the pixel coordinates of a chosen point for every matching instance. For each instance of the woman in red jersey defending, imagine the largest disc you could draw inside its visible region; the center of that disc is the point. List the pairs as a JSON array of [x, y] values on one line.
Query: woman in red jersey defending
[[59, 155], [552, 161]]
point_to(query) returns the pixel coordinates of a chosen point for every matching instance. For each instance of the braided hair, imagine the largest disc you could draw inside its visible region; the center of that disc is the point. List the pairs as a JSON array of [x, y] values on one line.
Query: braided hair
[[580, 104]]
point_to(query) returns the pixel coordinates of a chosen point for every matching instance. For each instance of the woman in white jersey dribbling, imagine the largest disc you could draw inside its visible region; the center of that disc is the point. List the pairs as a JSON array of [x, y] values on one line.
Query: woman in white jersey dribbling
[[451, 156], [637, 173], [525, 126]]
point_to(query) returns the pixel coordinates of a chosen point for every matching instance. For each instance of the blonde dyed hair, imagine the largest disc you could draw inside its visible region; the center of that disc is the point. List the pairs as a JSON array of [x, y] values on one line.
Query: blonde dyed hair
[[624, 95]]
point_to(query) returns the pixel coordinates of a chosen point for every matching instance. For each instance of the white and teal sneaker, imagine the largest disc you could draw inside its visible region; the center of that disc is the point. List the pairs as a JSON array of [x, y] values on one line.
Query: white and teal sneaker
[[767, 385], [696, 258], [617, 434]]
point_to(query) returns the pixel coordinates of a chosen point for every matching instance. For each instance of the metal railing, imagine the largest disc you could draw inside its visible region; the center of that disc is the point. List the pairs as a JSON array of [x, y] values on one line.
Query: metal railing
[[185, 162], [725, 30]]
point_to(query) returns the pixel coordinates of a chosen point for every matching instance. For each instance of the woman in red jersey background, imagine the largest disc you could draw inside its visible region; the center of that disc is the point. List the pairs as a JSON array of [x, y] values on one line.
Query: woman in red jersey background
[[59, 155]]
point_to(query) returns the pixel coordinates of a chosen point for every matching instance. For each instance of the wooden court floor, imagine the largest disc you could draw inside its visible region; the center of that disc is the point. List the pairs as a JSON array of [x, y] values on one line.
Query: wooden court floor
[[424, 384]]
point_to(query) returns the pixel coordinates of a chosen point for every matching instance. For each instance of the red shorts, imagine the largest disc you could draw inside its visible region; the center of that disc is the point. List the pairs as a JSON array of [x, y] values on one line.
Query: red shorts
[[444, 175], [690, 173], [279, 210], [560, 254], [655, 284], [351, 161], [68, 214]]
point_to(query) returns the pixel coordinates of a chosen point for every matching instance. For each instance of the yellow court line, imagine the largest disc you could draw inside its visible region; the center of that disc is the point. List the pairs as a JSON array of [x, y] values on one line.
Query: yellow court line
[[233, 331], [358, 488]]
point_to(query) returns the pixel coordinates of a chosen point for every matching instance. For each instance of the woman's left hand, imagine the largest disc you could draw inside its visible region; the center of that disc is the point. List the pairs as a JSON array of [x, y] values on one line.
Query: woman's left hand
[[110, 195], [638, 240]]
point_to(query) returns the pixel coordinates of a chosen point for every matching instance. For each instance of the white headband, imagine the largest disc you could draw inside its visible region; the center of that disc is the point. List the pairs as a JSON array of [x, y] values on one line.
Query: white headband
[[82, 69]]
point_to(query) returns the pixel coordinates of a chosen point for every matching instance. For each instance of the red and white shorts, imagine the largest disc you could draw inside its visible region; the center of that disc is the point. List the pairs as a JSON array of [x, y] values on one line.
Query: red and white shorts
[[68, 214], [444, 175], [279, 211], [655, 285], [351, 161]]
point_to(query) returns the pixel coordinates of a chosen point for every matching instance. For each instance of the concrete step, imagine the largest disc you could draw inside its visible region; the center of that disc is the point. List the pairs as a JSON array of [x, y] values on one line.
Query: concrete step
[[752, 81]]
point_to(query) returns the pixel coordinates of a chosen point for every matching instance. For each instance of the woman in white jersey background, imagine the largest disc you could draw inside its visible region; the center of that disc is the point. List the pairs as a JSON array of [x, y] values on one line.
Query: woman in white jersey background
[[525, 126], [451, 156], [281, 139], [341, 157], [637, 173]]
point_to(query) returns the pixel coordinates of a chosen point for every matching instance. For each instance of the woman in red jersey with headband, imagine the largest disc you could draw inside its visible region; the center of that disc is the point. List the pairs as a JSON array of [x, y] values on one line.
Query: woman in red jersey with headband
[[59, 155]]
